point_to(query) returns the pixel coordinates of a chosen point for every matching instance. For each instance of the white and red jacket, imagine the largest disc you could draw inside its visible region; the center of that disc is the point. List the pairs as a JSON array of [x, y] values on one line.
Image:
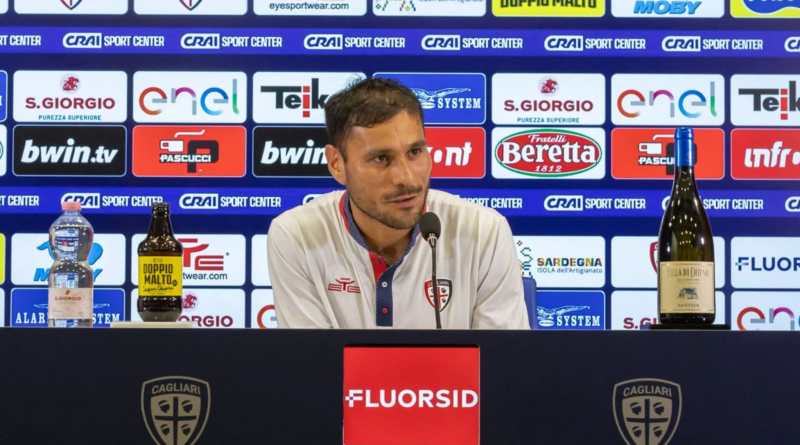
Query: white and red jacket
[[324, 275]]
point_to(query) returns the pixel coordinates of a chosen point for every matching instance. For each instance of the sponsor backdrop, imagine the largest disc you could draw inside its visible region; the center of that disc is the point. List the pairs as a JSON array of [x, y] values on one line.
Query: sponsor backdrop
[[558, 114]]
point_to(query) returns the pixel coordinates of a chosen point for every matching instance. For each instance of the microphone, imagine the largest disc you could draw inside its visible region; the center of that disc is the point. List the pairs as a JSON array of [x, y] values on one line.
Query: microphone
[[430, 227]]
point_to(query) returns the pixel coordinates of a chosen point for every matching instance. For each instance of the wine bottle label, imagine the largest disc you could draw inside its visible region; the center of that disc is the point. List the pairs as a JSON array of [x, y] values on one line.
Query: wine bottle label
[[160, 276], [71, 304], [686, 287]]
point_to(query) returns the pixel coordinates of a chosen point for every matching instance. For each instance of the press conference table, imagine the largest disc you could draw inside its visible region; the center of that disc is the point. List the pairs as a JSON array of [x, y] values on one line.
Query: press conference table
[[285, 387]]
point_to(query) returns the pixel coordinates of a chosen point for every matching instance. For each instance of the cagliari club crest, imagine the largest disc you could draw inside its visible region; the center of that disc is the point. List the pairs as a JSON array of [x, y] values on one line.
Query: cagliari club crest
[[445, 292], [175, 409], [647, 411]]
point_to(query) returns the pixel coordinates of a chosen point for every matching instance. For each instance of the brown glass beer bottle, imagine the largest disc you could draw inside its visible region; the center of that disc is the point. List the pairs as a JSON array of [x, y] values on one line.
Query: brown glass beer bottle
[[160, 269]]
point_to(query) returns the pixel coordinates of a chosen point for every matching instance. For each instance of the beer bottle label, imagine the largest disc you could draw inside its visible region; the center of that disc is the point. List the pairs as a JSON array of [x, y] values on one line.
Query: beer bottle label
[[160, 276]]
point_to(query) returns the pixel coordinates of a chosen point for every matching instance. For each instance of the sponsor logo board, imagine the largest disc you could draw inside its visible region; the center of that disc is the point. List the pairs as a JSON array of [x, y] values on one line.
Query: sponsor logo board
[[311, 7], [3, 6], [70, 96], [630, 310], [548, 153], [207, 308], [764, 9], [75, 7], [190, 7], [649, 153], [447, 98], [3, 96], [563, 261], [438, 8], [765, 263], [262, 310], [208, 151], [33, 258], [3, 149], [548, 99], [765, 311], [668, 9], [765, 100], [69, 150], [765, 154], [401, 394], [634, 262], [546, 8], [2, 307], [259, 272], [295, 97], [208, 260], [2, 258], [189, 97], [290, 152], [570, 310], [668, 99], [28, 307], [457, 152]]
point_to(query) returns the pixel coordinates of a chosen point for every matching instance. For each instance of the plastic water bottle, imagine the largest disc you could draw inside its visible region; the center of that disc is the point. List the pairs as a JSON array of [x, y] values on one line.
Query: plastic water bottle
[[70, 298]]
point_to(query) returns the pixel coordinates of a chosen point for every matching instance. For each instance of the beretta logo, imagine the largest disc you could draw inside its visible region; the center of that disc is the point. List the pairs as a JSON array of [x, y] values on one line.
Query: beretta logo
[[176, 409], [70, 96], [90, 40], [190, 7], [649, 153], [548, 153], [75, 7], [647, 411], [765, 154], [69, 150], [457, 98], [295, 98], [411, 395], [549, 99], [290, 152], [212, 151]]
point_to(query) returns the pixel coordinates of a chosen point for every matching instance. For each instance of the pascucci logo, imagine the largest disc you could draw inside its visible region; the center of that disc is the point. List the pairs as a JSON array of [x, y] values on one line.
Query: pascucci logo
[[792, 44], [91, 40], [199, 201], [564, 203], [442, 42], [87, 200], [324, 41], [563, 43], [408, 398], [200, 41], [681, 43], [793, 204]]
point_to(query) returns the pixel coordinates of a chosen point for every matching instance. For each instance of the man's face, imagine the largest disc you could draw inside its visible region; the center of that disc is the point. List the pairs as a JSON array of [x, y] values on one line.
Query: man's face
[[388, 169]]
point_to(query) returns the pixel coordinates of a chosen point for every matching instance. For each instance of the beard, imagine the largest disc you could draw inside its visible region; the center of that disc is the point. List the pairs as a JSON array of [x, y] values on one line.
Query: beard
[[360, 198]]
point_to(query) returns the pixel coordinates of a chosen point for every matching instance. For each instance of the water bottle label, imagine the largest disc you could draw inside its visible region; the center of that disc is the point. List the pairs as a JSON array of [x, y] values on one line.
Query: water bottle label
[[160, 276], [686, 287], [66, 240], [65, 303]]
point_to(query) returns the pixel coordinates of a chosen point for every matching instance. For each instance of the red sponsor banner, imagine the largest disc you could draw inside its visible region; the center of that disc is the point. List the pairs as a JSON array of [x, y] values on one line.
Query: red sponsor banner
[[180, 151], [457, 152], [649, 153], [768, 153], [411, 395]]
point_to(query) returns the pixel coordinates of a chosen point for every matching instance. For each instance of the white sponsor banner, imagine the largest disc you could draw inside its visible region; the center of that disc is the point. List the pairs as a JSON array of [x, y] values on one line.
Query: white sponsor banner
[[765, 311], [634, 262], [548, 153], [262, 310], [630, 310], [548, 99], [2, 307], [563, 261], [668, 9], [70, 97], [438, 8], [76, 7], [3, 149], [190, 7], [208, 260], [765, 263], [668, 99], [190, 97], [310, 7], [259, 272], [32, 259], [765, 100], [296, 97], [207, 308], [3, 6]]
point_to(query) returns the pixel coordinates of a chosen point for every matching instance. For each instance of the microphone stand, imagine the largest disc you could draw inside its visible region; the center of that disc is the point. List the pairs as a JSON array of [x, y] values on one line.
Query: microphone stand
[[435, 284]]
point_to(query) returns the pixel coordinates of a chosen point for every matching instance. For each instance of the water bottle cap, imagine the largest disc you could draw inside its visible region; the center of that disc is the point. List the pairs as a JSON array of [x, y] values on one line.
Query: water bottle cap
[[71, 205], [684, 133]]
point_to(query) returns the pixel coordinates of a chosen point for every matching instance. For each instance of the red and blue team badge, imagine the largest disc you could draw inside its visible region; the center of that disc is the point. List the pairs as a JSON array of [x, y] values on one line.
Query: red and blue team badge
[[445, 291], [71, 4], [191, 4]]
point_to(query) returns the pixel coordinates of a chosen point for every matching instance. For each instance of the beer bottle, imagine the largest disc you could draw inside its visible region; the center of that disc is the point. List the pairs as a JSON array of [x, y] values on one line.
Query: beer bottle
[[160, 269]]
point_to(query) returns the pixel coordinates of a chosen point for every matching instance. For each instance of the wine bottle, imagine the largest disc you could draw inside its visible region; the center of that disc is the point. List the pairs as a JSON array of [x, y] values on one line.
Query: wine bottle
[[685, 245]]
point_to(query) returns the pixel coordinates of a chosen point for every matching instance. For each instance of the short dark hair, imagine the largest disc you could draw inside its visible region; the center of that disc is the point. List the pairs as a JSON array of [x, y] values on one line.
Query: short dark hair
[[366, 103]]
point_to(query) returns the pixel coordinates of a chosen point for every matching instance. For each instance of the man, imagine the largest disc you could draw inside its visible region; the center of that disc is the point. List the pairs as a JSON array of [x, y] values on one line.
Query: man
[[355, 259]]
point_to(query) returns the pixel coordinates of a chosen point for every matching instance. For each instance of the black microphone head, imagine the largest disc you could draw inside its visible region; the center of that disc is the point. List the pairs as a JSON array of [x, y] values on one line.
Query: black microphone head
[[429, 224]]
